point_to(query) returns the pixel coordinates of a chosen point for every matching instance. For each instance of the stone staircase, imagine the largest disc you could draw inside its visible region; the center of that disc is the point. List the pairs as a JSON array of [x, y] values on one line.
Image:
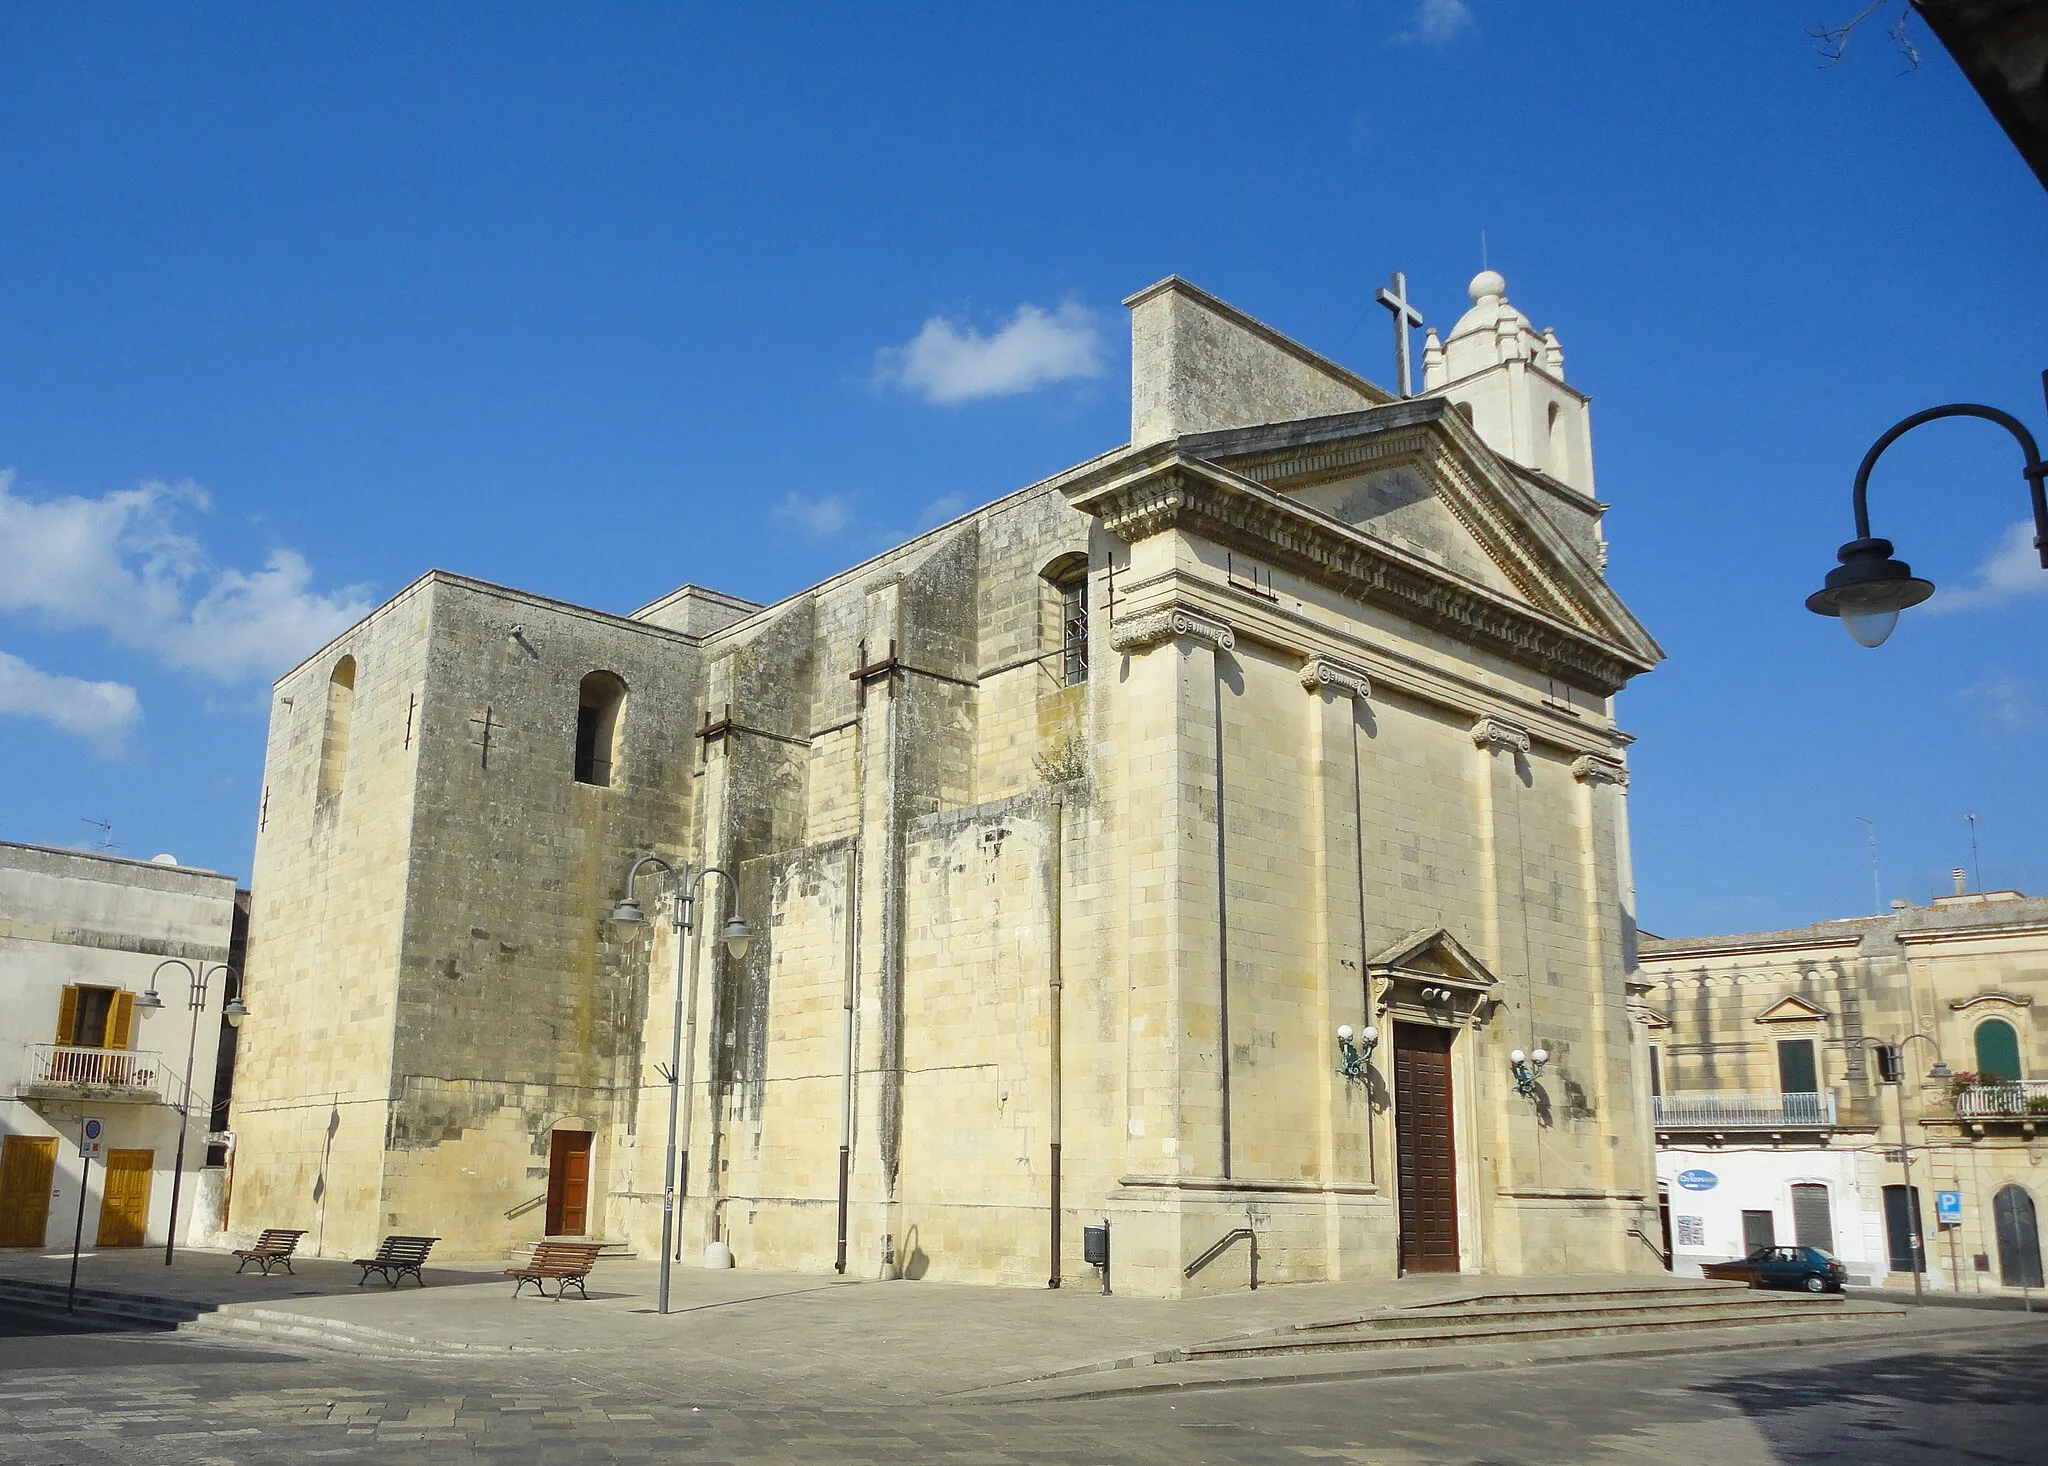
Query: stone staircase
[[615, 1250], [1532, 1316]]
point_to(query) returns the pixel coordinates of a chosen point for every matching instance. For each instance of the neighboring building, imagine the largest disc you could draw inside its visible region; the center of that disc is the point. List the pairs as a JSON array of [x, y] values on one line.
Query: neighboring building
[[1773, 1125], [1010, 971], [80, 936]]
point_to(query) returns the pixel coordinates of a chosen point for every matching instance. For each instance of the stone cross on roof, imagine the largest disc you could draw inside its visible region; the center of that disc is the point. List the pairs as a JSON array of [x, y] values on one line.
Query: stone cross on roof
[[1406, 318]]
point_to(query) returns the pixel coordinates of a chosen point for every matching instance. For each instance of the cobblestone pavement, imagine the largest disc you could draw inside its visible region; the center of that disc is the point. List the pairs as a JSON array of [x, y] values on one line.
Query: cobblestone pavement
[[145, 1399]]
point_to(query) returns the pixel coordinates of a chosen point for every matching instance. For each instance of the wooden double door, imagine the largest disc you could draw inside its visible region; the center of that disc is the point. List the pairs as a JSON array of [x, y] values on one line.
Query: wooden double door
[[1426, 1154], [28, 1168], [124, 1197]]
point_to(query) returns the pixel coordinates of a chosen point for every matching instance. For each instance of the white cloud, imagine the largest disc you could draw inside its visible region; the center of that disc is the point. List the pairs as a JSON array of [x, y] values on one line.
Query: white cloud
[[2010, 699], [949, 361], [818, 518], [122, 563], [2010, 571], [103, 712], [947, 506], [1436, 22]]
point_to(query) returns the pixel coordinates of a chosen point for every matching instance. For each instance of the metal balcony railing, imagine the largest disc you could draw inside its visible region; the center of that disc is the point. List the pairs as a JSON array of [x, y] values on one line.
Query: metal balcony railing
[[65, 1066], [1795, 1110], [2004, 1099]]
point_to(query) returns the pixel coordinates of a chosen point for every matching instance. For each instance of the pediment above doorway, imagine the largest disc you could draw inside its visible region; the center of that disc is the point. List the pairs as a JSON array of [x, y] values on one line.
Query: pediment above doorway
[[1792, 1009], [1432, 977]]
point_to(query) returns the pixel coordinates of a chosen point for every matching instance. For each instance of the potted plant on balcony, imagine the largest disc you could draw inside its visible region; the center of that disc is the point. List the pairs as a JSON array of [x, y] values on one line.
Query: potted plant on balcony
[[1961, 1083]]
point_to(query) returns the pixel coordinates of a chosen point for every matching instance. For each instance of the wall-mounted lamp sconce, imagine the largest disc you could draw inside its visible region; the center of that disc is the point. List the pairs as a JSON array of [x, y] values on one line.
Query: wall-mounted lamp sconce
[[1351, 1056], [1527, 1069]]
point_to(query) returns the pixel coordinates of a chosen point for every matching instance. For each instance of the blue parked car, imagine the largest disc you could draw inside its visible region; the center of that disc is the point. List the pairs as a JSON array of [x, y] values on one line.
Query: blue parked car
[[1811, 1268]]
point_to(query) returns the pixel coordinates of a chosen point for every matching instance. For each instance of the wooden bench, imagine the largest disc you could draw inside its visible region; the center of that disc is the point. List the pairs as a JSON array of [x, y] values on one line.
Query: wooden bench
[[275, 1246], [397, 1256], [565, 1262]]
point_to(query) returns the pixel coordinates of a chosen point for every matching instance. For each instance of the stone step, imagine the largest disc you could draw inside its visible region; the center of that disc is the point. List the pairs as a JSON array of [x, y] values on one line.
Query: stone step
[[311, 1331], [103, 1305], [1441, 1333], [1648, 1292], [1733, 1306]]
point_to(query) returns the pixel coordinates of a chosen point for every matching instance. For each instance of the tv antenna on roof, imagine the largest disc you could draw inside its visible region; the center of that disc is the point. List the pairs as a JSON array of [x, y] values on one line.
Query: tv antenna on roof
[[1976, 861], [106, 829]]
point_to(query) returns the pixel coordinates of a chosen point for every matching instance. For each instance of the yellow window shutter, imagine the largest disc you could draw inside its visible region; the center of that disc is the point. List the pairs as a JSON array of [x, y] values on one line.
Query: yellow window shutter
[[120, 1020], [67, 1014]]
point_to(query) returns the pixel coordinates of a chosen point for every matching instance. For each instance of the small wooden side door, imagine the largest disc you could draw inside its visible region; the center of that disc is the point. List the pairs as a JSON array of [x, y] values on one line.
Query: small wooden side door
[[28, 1164], [124, 1198], [569, 1183]]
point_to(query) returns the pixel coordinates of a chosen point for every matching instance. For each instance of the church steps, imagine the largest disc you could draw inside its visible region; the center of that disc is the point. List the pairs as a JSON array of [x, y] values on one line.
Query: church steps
[[1739, 1305], [1492, 1327]]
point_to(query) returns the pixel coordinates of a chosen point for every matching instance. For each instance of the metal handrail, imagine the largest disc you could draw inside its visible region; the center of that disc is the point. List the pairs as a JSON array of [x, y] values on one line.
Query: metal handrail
[[526, 1206], [1765, 1110], [1222, 1245], [2003, 1099], [94, 1068], [1654, 1246]]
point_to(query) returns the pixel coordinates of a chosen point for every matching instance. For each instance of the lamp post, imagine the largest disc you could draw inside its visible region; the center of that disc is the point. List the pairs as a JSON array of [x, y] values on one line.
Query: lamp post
[[1891, 1069], [683, 886], [1869, 588], [234, 1012]]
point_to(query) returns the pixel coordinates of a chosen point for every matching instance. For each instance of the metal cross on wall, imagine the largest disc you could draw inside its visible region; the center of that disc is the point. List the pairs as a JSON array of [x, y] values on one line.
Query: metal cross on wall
[[1406, 318]]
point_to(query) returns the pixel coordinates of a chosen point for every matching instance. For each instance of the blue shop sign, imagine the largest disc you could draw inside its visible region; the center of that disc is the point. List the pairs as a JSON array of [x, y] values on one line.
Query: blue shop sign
[[1698, 1180]]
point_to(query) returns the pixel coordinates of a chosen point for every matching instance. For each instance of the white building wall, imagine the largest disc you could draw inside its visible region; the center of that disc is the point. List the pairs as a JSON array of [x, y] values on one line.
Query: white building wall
[[70, 917], [1762, 1179]]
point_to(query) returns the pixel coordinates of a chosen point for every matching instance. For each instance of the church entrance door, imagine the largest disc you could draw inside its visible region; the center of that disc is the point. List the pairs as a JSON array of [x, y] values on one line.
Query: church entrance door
[[569, 1183], [1427, 1158]]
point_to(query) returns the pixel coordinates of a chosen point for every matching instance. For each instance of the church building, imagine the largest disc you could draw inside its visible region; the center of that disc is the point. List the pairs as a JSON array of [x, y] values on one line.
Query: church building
[[1068, 838]]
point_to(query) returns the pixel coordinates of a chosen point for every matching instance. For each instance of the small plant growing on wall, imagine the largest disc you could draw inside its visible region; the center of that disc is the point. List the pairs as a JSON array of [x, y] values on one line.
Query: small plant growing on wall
[[1063, 763]]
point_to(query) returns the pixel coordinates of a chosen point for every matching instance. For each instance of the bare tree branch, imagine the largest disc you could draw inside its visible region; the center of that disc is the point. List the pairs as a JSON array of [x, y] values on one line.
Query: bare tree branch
[[1831, 43]]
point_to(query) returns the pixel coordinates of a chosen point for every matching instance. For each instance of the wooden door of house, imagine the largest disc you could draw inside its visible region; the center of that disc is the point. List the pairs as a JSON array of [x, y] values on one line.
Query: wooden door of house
[[569, 1183], [28, 1164], [124, 1197], [1426, 1154]]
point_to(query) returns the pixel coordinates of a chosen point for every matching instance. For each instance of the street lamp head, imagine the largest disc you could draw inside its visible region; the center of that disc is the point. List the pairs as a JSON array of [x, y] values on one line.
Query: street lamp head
[[1940, 1071], [149, 1000], [629, 917], [1516, 1056], [1541, 1056], [234, 1011], [736, 937], [1868, 590], [1344, 1033]]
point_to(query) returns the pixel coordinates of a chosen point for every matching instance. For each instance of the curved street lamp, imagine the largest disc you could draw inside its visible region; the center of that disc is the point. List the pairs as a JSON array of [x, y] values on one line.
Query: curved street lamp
[[1869, 588], [632, 921], [234, 1013]]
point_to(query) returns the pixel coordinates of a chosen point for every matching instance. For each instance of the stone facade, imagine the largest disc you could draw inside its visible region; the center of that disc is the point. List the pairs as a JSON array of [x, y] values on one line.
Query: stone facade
[[1067, 835], [1965, 973]]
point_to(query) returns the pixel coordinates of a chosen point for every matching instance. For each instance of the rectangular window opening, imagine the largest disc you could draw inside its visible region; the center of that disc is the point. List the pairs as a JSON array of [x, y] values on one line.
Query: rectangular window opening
[[1797, 1073], [1074, 629]]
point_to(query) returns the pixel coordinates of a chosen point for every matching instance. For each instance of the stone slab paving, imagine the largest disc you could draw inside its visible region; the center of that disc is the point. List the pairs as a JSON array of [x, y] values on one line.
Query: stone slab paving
[[153, 1399]]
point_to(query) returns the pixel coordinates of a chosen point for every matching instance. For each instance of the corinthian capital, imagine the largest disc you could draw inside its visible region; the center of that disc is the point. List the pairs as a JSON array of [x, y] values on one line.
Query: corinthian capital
[[1340, 677], [1154, 628], [1491, 733]]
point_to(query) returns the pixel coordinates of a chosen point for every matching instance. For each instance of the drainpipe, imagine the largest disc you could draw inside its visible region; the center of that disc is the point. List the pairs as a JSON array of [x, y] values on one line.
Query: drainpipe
[[1054, 983], [846, 1064]]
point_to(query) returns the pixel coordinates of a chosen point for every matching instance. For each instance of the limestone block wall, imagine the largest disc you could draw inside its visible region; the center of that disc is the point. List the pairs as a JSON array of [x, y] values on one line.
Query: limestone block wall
[[313, 1071], [519, 1010]]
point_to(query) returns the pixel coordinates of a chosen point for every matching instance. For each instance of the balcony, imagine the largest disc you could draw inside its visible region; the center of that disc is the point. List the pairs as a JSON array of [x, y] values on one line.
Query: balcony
[[1772, 1111], [2024, 1100], [64, 1071]]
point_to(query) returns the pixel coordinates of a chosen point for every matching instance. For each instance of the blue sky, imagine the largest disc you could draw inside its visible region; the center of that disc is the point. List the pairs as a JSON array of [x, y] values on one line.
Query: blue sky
[[297, 302]]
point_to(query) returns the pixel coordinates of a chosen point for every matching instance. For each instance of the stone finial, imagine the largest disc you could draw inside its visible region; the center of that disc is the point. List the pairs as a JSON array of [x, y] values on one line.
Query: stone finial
[[1598, 768], [1553, 354], [1133, 634], [1340, 677], [1433, 373], [1491, 732]]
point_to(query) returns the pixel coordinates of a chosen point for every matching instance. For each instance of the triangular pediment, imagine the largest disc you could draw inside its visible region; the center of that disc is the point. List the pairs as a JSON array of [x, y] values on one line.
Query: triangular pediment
[[1433, 952], [1791, 1009], [1416, 476]]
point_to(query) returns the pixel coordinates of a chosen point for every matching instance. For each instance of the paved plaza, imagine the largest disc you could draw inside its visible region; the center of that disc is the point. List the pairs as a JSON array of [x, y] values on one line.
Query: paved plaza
[[771, 1368]]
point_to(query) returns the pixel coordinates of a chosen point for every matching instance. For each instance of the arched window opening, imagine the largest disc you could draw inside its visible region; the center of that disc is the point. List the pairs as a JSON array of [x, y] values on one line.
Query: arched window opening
[[1998, 1051], [600, 722], [341, 702], [1068, 577], [1464, 410], [2019, 1237], [1555, 459]]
